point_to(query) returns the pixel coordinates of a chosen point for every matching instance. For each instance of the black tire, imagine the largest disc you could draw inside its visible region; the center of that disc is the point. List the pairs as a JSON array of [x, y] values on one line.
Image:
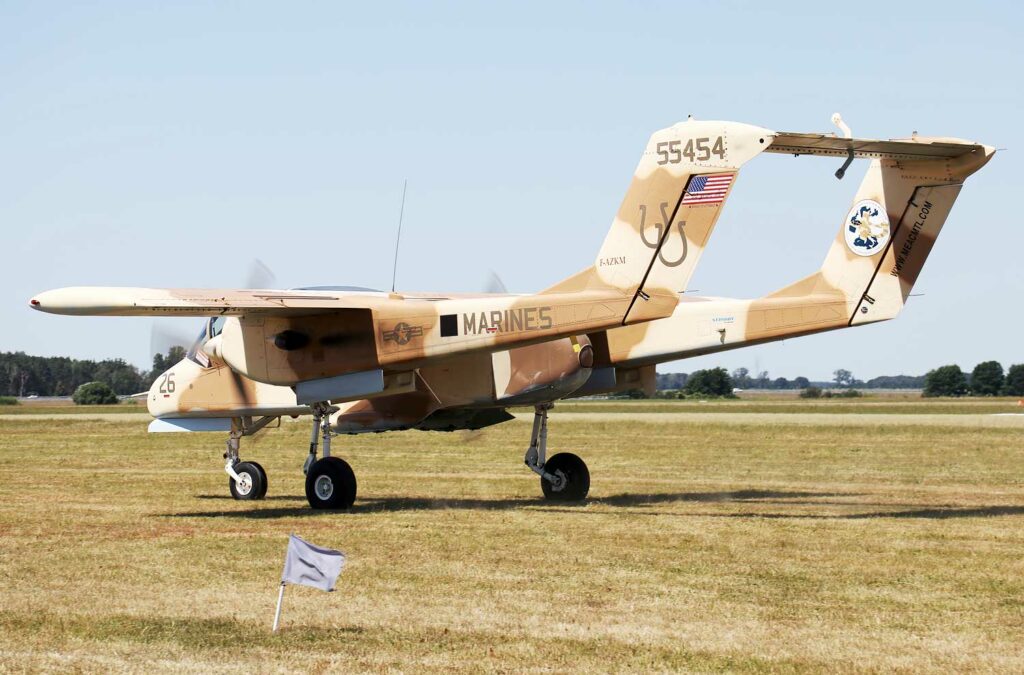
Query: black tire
[[577, 478], [264, 483], [331, 484], [252, 482]]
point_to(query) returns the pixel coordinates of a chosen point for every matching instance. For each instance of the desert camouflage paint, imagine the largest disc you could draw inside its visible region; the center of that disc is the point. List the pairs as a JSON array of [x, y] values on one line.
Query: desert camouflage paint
[[446, 359]]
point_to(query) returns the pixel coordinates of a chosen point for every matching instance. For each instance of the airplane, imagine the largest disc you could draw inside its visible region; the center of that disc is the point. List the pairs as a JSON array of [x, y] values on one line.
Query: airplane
[[360, 360]]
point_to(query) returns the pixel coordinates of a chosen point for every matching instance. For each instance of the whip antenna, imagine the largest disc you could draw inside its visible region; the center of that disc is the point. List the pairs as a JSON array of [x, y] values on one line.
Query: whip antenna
[[398, 238]]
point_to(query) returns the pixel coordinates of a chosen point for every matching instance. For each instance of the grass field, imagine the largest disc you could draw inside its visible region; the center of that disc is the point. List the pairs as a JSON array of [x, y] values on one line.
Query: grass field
[[705, 546]]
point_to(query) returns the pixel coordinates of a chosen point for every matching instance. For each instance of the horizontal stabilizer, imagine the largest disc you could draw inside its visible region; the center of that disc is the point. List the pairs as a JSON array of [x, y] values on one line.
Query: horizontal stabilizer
[[830, 145]]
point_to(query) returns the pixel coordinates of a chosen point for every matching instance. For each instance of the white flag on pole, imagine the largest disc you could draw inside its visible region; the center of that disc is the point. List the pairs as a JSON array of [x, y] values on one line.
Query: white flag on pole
[[311, 565], [308, 565]]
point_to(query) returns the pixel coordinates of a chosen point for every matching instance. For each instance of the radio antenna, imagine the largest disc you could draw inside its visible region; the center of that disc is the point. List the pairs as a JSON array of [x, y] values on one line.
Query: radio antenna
[[398, 238]]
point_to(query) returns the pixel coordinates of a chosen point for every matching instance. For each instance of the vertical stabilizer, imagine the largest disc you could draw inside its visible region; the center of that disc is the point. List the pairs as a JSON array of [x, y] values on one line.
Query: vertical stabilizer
[[673, 202]]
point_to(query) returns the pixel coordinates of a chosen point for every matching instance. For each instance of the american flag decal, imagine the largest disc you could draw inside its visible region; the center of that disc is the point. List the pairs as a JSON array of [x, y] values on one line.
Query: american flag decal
[[709, 189]]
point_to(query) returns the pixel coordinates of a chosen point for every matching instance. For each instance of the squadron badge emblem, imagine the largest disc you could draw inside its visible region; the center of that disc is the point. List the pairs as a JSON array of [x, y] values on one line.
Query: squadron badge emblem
[[866, 228]]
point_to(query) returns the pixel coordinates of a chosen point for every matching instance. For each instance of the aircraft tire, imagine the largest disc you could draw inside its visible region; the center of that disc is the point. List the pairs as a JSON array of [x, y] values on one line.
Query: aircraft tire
[[331, 484], [251, 486], [264, 483], [576, 474]]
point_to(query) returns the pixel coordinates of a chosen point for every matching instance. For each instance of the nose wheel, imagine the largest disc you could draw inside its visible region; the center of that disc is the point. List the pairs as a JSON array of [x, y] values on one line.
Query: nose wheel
[[565, 477], [251, 482]]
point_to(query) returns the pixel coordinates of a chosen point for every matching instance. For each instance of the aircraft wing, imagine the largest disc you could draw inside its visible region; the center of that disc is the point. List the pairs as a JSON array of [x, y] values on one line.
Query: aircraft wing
[[291, 337], [126, 301]]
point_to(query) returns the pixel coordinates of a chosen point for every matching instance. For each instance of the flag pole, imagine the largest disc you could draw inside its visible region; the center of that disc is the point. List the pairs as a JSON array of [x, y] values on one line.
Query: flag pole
[[277, 614]]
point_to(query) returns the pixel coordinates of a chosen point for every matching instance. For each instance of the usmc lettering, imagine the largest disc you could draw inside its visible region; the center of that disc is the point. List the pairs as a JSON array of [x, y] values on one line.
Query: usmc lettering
[[507, 320]]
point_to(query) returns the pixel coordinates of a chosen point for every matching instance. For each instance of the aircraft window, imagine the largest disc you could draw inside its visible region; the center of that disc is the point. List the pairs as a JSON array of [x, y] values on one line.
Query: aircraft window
[[216, 326]]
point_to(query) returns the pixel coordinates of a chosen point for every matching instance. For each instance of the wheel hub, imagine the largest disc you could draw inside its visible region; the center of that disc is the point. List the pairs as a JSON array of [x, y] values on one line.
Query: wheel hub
[[244, 484], [560, 481], [324, 487]]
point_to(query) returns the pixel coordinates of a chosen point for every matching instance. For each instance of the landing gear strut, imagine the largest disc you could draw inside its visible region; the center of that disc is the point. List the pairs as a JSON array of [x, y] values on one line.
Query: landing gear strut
[[565, 476], [330, 481], [246, 480]]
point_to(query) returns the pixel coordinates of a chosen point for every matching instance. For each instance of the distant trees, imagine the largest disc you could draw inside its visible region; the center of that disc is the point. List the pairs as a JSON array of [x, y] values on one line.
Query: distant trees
[[845, 378], [987, 379], [671, 380], [94, 393], [1013, 384], [896, 382], [741, 378], [21, 374], [711, 382], [945, 381], [162, 363]]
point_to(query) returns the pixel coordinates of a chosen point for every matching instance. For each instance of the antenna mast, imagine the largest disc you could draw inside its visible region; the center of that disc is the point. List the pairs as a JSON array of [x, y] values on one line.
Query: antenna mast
[[398, 238]]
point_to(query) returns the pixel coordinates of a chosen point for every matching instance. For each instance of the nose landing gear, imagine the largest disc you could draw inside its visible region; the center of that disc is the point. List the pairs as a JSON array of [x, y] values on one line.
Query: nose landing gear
[[246, 480]]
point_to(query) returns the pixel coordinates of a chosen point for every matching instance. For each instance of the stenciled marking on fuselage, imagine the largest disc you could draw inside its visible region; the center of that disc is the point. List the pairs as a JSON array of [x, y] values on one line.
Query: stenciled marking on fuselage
[[908, 245], [521, 319], [609, 262], [660, 229]]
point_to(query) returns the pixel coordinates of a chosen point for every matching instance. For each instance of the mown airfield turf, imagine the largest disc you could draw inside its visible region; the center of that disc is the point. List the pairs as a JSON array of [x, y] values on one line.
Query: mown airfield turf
[[709, 543]]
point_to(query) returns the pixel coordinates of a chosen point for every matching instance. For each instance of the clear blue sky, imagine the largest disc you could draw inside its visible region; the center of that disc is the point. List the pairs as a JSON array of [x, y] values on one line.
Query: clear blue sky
[[169, 144]]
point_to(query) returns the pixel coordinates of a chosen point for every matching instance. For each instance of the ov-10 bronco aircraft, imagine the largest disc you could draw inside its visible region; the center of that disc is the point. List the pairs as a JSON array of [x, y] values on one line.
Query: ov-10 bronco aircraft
[[360, 360]]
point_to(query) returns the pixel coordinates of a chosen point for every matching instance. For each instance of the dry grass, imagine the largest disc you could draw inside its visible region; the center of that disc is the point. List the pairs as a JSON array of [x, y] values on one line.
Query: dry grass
[[705, 547]]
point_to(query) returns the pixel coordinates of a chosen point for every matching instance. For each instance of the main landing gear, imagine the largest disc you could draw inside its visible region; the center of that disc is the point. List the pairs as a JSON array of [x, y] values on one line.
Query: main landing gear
[[330, 481], [564, 477]]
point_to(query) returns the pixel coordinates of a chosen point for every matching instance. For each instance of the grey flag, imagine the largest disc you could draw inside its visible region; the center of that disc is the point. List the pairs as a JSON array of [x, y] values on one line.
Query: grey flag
[[311, 565]]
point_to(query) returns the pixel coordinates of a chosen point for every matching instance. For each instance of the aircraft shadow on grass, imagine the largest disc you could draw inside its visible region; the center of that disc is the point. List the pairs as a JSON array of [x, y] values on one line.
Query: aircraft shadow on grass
[[626, 501]]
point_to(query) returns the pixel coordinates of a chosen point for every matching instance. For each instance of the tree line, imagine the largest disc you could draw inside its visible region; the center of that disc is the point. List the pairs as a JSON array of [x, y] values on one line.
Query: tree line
[[987, 379], [741, 378], [23, 375]]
